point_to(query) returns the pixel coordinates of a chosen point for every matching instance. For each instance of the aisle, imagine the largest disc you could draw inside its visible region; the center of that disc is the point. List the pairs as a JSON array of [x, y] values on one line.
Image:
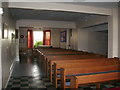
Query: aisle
[[26, 74]]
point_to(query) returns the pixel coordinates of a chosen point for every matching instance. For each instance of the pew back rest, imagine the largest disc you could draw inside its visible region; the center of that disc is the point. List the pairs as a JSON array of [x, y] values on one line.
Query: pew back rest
[[90, 69], [64, 57], [89, 62], [95, 78], [76, 59]]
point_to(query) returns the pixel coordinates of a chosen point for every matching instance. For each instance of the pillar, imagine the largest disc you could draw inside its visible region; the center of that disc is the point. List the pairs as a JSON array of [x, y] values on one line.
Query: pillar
[[113, 33]]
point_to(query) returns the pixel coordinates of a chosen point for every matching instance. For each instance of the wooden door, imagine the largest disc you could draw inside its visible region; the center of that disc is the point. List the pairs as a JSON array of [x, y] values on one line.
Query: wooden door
[[47, 37]]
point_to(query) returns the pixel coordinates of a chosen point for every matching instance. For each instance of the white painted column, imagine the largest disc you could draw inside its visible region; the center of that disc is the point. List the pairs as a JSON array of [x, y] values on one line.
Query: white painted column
[[68, 39], [17, 46], [17, 50], [113, 34], [0, 48]]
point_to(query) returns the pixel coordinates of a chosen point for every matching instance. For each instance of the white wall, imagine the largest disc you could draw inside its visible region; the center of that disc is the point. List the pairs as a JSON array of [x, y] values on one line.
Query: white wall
[[55, 37], [23, 41], [59, 25], [89, 39], [45, 23], [83, 40], [92, 41], [74, 40], [92, 22], [8, 47], [0, 48]]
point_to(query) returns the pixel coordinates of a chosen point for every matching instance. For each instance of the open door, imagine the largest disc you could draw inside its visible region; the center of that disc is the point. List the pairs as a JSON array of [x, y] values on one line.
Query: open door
[[47, 37]]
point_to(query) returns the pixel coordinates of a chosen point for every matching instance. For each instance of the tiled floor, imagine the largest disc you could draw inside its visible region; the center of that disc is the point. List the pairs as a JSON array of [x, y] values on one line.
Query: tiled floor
[[26, 74], [26, 82]]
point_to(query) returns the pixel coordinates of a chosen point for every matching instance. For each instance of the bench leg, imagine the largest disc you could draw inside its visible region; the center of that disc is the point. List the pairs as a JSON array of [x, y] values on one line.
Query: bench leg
[[98, 86], [46, 68], [50, 73]]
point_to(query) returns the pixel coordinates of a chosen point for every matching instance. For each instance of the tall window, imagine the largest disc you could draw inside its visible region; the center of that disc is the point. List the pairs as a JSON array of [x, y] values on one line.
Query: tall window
[[38, 38]]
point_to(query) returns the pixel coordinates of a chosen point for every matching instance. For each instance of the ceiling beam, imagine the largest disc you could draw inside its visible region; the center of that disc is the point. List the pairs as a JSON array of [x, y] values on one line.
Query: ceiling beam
[[92, 22], [61, 7], [45, 23], [98, 28], [96, 25]]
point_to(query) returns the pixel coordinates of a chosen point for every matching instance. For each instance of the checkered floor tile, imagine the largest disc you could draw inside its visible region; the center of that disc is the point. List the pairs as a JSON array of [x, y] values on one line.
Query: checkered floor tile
[[38, 82], [26, 82], [103, 86]]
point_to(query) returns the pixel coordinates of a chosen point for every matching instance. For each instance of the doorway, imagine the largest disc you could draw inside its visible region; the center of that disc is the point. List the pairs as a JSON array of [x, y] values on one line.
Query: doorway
[[37, 38]]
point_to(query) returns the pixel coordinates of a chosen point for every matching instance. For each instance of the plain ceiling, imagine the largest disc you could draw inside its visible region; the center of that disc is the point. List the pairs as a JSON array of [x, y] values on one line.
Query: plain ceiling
[[19, 14]]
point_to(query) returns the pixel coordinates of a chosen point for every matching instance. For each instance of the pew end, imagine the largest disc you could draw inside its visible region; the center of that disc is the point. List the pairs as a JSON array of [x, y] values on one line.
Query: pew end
[[55, 75], [74, 85], [62, 78], [73, 82], [96, 79]]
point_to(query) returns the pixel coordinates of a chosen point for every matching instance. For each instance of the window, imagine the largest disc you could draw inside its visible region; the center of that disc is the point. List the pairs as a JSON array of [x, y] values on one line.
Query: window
[[38, 38]]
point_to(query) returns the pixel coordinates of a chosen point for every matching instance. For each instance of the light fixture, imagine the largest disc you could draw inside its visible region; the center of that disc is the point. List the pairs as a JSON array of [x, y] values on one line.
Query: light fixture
[[1, 11]]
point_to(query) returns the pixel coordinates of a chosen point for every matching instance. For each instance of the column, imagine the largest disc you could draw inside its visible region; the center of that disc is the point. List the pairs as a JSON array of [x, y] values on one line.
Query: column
[[113, 33]]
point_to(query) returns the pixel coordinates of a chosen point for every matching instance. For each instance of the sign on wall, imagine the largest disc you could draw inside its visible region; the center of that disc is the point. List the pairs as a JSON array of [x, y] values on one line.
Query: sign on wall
[[63, 36]]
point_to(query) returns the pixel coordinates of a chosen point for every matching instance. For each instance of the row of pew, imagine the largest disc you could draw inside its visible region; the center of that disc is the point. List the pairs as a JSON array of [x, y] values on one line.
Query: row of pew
[[72, 69]]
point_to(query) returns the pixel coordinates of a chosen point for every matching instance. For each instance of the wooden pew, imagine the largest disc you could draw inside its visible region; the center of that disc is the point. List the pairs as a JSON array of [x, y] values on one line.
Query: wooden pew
[[45, 56], [64, 55], [66, 59], [110, 65], [57, 51], [76, 81], [48, 52], [79, 63], [45, 53]]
